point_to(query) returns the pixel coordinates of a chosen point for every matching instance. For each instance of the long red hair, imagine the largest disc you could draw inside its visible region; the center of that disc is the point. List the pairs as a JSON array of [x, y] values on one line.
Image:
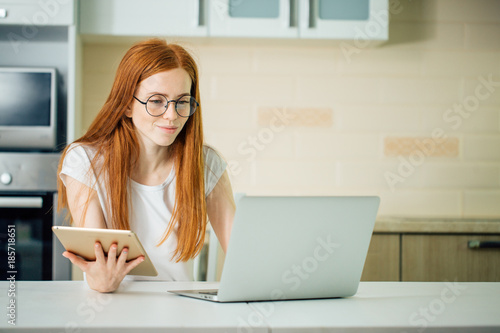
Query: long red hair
[[113, 137]]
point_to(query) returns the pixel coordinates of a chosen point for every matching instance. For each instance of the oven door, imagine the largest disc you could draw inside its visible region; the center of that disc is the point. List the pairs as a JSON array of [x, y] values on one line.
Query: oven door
[[29, 250]]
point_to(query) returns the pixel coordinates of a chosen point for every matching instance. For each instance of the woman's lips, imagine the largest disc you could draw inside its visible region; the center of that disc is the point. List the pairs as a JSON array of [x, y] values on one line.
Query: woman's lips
[[168, 129]]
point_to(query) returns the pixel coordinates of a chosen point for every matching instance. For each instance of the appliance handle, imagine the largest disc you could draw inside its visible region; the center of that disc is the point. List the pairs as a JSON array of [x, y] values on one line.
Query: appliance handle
[[21, 202], [476, 244]]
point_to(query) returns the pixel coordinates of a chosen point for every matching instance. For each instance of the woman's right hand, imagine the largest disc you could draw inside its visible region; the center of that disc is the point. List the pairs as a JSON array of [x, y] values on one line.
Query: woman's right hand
[[107, 272]]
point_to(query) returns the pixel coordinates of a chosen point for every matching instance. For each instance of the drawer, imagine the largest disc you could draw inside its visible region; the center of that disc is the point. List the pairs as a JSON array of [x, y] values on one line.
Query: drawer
[[37, 12], [450, 258]]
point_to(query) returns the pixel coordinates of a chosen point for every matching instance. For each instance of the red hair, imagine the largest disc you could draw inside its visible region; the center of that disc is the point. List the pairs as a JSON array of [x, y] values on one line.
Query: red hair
[[113, 136]]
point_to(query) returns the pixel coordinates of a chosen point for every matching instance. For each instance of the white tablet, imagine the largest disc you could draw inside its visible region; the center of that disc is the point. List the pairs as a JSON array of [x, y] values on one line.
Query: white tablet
[[81, 241]]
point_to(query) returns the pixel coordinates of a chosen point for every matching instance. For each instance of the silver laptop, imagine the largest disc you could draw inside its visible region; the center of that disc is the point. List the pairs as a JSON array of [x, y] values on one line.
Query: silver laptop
[[294, 248]]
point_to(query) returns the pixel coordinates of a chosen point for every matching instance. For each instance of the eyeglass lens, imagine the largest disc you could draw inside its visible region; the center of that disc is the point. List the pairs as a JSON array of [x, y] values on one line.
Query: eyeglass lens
[[184, 106]]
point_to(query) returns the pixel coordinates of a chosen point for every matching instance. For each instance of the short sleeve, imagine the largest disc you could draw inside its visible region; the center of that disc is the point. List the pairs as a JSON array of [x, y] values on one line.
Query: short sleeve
[[214, 168], [76, 164]]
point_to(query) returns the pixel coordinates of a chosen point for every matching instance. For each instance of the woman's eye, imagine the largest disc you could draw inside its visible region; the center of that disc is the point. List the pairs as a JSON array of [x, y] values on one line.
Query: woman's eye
[[156, 101]]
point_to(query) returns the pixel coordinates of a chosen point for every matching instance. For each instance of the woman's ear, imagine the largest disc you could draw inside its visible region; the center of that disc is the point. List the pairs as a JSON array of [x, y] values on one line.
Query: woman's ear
[[128, 112]]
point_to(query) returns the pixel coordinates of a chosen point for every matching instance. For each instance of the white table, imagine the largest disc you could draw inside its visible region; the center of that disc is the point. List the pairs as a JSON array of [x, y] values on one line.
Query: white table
[[70, 306]]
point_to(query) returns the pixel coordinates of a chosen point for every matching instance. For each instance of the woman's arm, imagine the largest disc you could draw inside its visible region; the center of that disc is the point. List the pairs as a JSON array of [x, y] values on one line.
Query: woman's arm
[[221, 209], [106, 272], [77, 195]]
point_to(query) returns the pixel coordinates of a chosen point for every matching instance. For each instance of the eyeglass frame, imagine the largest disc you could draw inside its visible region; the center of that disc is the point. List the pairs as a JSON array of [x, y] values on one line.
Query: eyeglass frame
[[166, 107]]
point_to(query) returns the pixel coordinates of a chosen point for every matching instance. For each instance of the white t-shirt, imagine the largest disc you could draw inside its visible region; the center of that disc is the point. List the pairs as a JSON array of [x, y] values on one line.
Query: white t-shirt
[[150, 208]]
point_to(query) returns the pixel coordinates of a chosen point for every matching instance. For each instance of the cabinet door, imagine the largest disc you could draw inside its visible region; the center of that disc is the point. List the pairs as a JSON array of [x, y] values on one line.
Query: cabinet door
[[37, 13], [449, 258], [382, 261], [344, 19], [252, 18], [143, 18]]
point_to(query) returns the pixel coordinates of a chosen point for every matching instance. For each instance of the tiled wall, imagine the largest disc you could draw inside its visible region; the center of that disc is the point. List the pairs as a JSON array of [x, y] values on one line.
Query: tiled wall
[[415, 120]]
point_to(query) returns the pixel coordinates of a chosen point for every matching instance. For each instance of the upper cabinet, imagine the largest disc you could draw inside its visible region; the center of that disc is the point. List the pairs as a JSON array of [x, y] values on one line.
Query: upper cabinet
[[322, 19], [253, 18], [344, 19], [36, 13], [143, 18], [325, 19]]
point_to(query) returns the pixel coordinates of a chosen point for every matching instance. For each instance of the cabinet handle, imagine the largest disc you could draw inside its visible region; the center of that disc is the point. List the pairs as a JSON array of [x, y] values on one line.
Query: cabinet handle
[[476, 244], [308, 14], [3, 13], [198, 13], [287, 22]]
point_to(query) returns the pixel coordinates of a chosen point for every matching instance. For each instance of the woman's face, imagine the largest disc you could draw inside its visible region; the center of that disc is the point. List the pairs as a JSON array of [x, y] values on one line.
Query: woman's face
[[162, 130]]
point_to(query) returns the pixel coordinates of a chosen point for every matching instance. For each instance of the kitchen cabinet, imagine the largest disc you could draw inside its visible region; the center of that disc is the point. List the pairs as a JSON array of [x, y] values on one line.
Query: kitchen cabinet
[[382, 260], [255, 18], [36, 13], [325, 19], [449, 258], [143, 18], [434, 250]]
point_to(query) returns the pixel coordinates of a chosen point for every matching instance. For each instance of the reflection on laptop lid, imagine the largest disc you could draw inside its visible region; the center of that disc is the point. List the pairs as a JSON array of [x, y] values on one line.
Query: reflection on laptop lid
[[295, 248]]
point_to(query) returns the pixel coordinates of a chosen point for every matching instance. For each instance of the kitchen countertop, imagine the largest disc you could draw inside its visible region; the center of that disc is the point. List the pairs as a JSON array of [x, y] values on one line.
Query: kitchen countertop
[[70, 306], [436, 225]]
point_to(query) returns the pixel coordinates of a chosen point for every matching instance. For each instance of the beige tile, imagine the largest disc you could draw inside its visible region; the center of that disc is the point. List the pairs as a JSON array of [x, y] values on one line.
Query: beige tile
[[224, 59], [253, 88], [364, 174], [358, 146], [402, 10], [324, 89], [485, 204], [482, 148], [426, 35], [295, 175], [421, 146], [466, 11], [297, 60], [316, 145], [457, 64], [454, 176], [103, 58], [377, 118], [483, 120], [481, 90], [482, 36], [421, 90], [421, 203], [282, 117], [380, 61], [222, 116]]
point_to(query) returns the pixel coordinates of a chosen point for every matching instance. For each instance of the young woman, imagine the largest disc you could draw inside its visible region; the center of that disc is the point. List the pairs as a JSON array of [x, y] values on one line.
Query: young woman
[[142, 165]]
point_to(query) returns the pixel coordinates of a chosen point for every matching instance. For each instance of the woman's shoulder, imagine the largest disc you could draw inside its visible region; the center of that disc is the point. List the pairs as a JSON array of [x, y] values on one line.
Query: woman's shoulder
[[210, 153]]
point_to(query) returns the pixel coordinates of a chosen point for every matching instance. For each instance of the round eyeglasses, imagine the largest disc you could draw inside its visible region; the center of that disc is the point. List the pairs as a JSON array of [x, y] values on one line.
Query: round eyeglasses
[[156, 105]]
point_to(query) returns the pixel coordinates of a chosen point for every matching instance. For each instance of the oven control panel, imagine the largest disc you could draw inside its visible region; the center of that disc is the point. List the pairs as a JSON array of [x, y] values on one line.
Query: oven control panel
[[28, 171]]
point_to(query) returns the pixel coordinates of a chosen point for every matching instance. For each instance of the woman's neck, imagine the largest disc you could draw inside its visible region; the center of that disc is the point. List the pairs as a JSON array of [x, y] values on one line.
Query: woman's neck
[[153, 166]]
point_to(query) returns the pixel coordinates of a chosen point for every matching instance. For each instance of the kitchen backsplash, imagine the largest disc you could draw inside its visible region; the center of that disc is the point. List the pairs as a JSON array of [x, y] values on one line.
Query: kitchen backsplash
[[415, 120]]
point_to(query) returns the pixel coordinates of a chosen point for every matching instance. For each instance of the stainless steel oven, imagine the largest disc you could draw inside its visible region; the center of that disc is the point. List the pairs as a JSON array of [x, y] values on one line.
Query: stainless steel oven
[[28, 210]]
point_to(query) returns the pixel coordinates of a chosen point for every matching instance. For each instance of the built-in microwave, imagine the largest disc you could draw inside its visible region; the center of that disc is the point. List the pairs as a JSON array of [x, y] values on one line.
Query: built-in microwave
[[28, 109]]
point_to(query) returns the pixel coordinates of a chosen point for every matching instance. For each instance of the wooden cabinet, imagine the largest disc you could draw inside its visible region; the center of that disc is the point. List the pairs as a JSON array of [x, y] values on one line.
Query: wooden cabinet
[[382, 261], [449, 258], [432, 257]]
